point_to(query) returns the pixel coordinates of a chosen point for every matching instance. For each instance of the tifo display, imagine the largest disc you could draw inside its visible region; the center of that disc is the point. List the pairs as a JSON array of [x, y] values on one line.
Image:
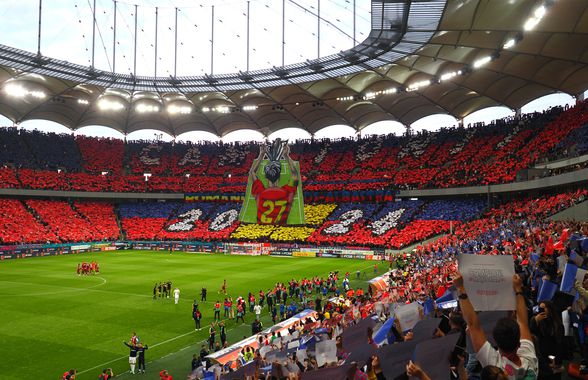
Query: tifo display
[[345, 169], [451, 262]]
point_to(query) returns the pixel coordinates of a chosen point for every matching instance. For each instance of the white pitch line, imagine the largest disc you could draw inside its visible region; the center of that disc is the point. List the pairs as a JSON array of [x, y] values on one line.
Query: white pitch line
[[70, 288], [154, 345]]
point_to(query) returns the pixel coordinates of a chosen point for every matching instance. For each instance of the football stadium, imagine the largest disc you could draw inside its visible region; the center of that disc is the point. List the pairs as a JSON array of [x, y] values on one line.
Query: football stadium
[[295, 189]]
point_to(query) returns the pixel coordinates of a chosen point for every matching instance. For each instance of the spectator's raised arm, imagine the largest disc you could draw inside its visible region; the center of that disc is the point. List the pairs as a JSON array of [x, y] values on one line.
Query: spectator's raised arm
[[469, 314]]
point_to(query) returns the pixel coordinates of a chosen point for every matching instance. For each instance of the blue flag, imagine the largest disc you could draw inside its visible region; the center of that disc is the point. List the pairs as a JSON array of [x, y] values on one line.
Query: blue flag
[[568, 278], [447, 296], [428, 306], [547, 291], [584, 244], [382, 333]]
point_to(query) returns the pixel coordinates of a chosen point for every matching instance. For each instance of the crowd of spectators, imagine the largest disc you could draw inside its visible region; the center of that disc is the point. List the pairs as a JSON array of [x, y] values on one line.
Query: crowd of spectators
[[367, 224], [19, 226], [370, 336], [478, 155], [48, 221]]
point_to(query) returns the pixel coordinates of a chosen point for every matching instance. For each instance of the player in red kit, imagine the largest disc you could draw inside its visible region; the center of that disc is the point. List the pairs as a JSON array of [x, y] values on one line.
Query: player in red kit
[[273, 202]]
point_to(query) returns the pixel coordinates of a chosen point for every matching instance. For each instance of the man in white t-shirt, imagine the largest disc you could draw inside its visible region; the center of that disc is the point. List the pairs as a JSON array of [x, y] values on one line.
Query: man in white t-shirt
[[257, 311], [516, 353], [176, 295]]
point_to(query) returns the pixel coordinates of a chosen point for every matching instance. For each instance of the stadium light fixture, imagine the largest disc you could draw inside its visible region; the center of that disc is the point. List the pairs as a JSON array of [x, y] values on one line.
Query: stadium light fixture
[[481, 62], [181, 110], [510, 43], [448, 76], [18, 91], [415, 86], [540, 12], [146, 108], [222, 109], [83, 101], [108, 105], [249, 108], [532, 21], [205, 109], [370, 95], [38, 94], [15, 90]]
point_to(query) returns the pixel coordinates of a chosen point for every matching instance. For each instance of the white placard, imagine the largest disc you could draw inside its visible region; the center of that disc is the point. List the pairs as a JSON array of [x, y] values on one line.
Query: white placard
[[326, 352], [580, 275], [264, 350], [301, 355], [561, 263], [408, 315], [488, 281]]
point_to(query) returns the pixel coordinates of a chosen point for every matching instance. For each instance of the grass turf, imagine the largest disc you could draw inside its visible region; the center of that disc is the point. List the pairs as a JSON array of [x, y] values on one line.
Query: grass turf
[[52, 320]]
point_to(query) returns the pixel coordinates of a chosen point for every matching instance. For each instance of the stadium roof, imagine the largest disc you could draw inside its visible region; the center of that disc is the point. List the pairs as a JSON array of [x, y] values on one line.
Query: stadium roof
[[422, 57]]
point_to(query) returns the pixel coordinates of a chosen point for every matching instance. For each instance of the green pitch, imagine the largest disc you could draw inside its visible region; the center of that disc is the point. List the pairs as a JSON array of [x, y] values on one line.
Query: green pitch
[[52, 320]]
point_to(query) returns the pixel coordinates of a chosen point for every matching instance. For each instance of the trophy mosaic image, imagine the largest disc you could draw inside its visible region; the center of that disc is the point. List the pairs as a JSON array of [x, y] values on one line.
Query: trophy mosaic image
[[274, 190]]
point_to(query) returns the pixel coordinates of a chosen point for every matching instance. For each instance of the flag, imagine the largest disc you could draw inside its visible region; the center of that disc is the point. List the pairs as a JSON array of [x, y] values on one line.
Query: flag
[[447, 296], [549, 246], [569, 278], [565, 234], [382, 334], [428, 306], [547, 291]]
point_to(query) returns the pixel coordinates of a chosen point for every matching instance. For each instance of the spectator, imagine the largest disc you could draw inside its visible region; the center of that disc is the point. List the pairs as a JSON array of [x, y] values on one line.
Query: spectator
[[164, 375], [516, 352]]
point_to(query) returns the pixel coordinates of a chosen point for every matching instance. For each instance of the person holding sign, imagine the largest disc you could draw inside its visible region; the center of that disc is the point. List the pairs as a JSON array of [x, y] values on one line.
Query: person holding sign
[[274, 201], [516, 352]]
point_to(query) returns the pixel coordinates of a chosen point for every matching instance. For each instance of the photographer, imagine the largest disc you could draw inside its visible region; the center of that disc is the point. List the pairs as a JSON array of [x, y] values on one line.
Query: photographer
[[106, 374]]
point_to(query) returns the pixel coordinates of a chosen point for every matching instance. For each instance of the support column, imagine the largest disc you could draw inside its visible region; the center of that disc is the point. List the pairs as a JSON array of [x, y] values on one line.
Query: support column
[[93, 31], [247, 36], [135, 48], [114, 41], [156, 28], [318, 29], [518, 112], [39, 31], [176, 45], [212, 42], [283, 30]]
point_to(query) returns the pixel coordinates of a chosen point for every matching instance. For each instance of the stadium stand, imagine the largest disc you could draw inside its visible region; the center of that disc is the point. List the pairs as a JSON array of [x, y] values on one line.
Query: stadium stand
[[66, 222], [478, 155], [372, 329], [18, 225]]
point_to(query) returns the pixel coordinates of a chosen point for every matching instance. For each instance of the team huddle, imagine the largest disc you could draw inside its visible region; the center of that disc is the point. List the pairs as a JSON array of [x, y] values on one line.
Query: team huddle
[[88, 268], [164, 290]]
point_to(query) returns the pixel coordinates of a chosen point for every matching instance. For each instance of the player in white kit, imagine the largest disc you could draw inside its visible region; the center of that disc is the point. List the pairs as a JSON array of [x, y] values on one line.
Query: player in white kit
[[176, 295]]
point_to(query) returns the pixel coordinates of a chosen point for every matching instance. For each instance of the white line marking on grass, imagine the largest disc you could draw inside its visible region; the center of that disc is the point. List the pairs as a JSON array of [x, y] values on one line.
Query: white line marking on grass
[[70, 288], [154, 345]]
